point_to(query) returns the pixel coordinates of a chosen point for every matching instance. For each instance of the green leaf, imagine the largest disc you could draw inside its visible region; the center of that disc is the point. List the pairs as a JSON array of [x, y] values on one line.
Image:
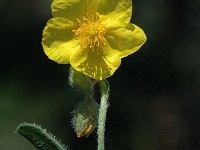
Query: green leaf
[[39, 137]]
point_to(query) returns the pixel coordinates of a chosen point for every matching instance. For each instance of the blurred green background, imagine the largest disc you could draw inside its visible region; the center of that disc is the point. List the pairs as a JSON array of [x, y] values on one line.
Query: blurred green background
[[155, 94]]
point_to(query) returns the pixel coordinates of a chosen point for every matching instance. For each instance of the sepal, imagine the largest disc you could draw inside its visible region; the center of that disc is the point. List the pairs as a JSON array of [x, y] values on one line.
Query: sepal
[[80, 82]]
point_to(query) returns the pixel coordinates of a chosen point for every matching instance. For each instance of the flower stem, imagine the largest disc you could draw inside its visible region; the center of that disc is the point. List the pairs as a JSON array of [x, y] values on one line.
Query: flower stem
[[102, 114]]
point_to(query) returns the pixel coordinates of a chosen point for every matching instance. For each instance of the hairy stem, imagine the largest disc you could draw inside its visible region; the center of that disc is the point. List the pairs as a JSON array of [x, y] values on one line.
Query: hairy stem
[[102, 114]]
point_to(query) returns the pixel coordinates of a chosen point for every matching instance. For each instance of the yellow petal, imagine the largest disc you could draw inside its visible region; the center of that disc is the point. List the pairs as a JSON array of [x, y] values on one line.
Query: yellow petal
[[73, 9], [109, 53], [119, 17], [106, 6], [92, 63], [57, 41], [127, 40]]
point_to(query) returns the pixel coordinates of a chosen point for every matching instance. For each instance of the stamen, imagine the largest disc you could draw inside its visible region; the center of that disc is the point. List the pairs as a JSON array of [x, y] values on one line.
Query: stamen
[[90, 32]]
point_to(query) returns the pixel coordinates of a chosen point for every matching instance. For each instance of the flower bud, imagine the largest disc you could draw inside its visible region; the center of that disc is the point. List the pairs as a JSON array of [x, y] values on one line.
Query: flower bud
[[85, 117]]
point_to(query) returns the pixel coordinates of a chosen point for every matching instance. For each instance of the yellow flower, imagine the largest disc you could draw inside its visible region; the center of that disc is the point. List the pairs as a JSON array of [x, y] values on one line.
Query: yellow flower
[[91, 35]]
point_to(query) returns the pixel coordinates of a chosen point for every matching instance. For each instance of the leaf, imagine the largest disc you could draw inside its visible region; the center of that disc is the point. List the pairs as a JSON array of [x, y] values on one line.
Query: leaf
[[39, 137]]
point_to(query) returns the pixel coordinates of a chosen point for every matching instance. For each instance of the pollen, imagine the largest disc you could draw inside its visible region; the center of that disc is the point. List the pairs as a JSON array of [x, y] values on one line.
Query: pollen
[[90, 32]]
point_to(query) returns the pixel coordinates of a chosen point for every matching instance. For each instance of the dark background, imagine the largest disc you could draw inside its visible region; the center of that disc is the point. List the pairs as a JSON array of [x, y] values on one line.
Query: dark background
[[155, 93]]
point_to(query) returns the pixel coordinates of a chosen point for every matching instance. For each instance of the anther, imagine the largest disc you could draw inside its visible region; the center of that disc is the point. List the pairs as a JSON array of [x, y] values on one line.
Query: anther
[[91, 32]]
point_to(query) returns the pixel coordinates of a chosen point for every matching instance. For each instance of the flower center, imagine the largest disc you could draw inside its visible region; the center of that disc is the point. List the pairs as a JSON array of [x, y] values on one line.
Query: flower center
[[90, 32]]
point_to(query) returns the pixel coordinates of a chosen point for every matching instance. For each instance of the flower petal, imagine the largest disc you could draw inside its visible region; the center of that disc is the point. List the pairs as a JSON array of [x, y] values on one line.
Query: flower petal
[[92, 63], [73, 9], [119, 17], [110, 54], [127, 40], [57, 41], [106, 6]]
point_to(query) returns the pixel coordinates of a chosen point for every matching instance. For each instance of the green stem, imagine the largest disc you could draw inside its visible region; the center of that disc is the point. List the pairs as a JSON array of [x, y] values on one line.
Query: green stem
[[102, 114]]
